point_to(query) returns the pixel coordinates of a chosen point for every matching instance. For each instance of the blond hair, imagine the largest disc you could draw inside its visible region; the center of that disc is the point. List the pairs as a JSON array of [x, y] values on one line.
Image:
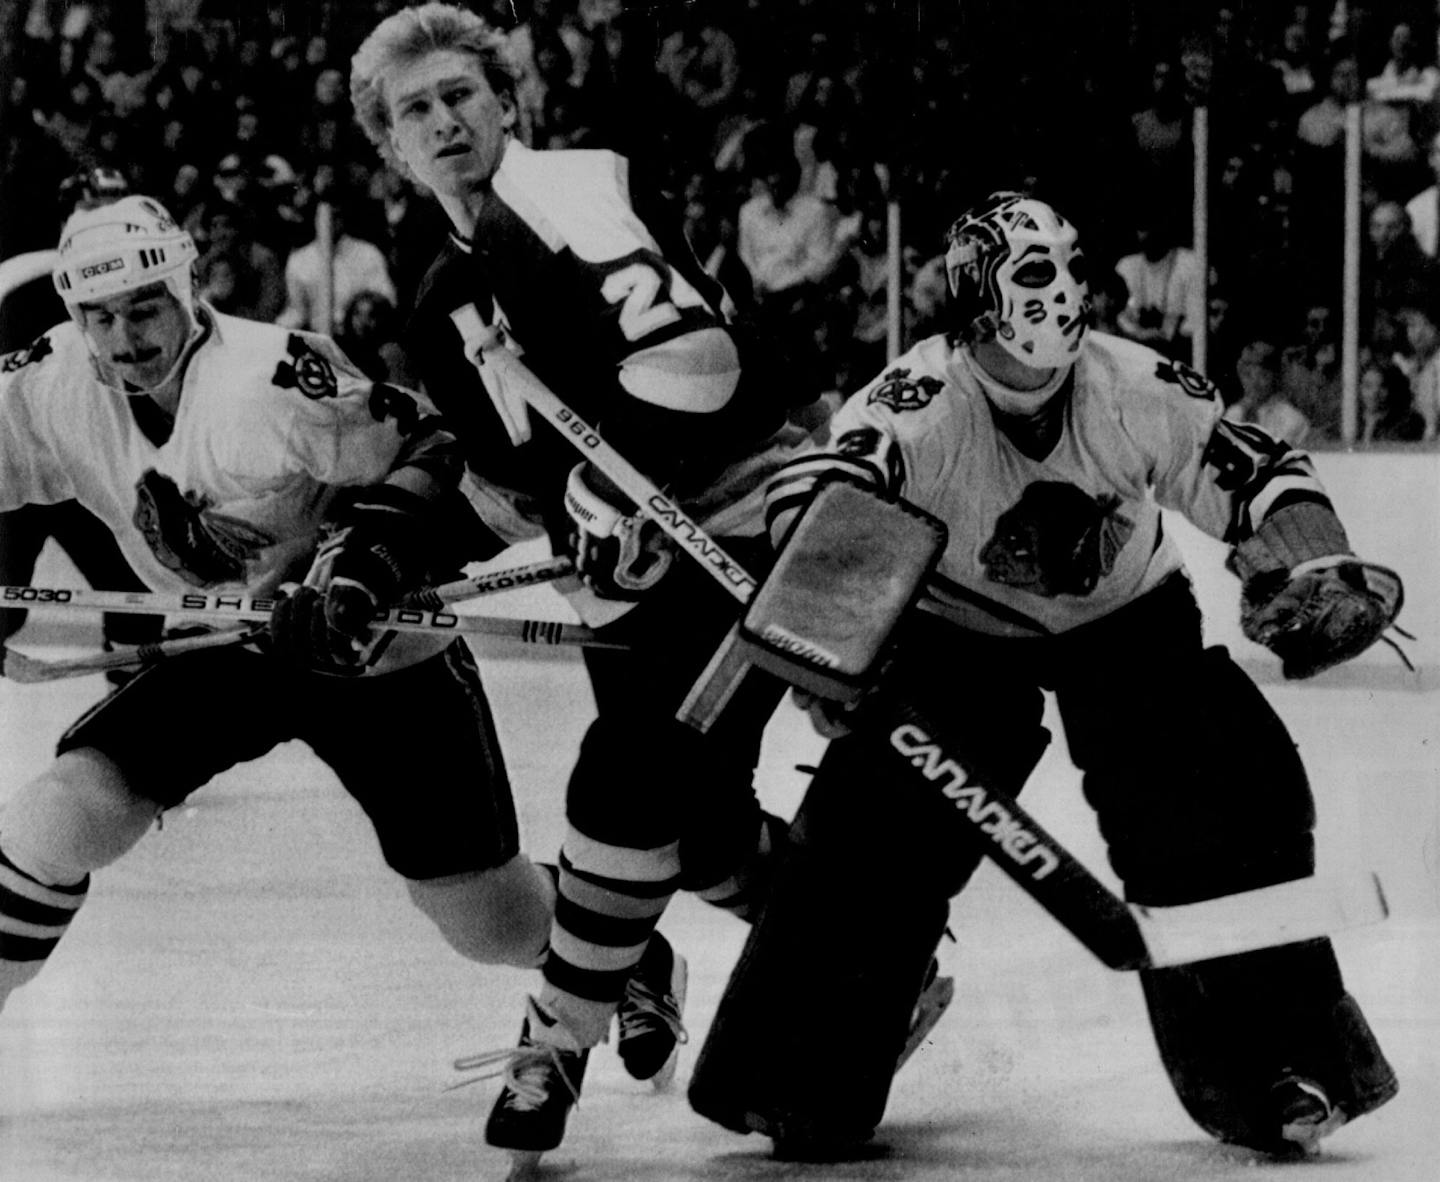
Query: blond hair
[[409, 35]]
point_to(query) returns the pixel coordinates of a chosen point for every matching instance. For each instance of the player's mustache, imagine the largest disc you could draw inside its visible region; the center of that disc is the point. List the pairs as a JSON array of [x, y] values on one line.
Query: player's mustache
[[136, 356]]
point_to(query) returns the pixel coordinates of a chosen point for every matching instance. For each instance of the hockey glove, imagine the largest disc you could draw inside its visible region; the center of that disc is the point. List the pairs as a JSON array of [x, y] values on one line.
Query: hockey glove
[[1305, 596], [619, 553], [374, 553], [1324, 612]]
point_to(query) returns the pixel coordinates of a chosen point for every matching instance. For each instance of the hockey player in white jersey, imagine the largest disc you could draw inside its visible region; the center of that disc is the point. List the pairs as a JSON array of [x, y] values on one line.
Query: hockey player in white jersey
[[1048, 451], [220, 451]]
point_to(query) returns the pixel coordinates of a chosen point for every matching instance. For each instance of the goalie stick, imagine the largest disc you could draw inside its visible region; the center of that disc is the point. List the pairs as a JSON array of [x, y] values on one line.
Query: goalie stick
[[1121, 935], [242, 607]]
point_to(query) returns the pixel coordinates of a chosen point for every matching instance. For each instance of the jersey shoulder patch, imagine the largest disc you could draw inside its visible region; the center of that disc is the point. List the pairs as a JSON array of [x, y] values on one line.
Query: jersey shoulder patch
[[305, 369], [1191, 381], [37, 350], [901, 390]]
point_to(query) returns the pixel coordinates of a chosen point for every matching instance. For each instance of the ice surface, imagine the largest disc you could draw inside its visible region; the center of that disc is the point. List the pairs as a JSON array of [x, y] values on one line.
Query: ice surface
[[248, 995]]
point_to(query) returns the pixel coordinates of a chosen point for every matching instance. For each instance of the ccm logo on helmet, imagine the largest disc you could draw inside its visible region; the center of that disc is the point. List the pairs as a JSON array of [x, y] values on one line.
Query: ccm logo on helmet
[[102, 268]]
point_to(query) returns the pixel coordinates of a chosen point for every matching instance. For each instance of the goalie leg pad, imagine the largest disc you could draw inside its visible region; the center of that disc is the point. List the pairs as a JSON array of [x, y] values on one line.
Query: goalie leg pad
[[858, 906], [806, 1038], [1228, 1030]]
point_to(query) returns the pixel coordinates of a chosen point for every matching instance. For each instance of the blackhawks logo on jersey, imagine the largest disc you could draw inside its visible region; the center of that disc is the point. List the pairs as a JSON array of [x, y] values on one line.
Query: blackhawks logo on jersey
[[1056, 540], [899, 391], [1194, 383], [306, 371], [203, 547], [36, 351]]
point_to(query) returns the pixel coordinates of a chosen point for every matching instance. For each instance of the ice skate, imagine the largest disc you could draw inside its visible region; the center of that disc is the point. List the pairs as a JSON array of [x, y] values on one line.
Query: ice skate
[[1306, 1115], [930, 1007], [542, 1078], [649, 1017]]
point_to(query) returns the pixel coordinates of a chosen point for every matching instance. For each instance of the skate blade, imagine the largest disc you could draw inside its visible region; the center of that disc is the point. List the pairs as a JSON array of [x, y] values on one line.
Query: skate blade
[[662, 1080], [932, 1006], [1306, 1135]]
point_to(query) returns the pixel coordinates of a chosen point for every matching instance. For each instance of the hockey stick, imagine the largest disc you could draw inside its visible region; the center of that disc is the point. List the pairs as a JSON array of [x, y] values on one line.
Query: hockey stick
[[1121, 935], [203, 606], [27, 670], [491, 583], [673, 520], [1127, 935]]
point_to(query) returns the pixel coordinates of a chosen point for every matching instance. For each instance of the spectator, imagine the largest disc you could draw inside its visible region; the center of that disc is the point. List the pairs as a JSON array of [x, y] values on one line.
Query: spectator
[[1109, 295], [1408, 82], [357, 265], [1165, 284], [1310, 370], [1424, 207], [1161, 129], [701, 63], [237, 272], [1421, 360], [1393, 271], [1295, 63], [1260, 402], [1387, 408], [791, 244], [369, 335], [1385, 142]]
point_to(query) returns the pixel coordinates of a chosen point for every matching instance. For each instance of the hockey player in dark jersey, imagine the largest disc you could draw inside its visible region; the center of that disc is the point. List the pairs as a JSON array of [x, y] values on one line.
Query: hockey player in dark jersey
[[570, 257], [1048, 450]]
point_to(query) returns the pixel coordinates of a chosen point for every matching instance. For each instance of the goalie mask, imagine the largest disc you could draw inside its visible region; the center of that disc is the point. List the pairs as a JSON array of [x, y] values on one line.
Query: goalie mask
[[118, 249], [1017, 277]]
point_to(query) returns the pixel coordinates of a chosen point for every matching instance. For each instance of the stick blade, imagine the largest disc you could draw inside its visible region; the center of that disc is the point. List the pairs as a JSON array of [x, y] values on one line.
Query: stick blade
[[1282, 914]]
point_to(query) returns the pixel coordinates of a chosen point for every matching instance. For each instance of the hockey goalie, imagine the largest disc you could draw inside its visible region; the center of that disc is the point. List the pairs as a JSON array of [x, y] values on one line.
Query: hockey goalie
[[1047, 451]]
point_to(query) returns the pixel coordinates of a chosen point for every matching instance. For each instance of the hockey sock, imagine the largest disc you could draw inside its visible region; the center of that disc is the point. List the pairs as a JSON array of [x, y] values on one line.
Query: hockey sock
[[33, 917], [610, 900]]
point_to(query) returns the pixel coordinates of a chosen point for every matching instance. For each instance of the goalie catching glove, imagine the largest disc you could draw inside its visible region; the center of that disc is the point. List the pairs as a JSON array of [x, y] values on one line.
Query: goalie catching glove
[[1305, 597], [618, 552], [374, 553]]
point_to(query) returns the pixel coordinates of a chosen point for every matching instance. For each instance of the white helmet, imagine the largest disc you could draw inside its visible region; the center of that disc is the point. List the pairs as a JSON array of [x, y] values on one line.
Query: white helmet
[[116, 248]]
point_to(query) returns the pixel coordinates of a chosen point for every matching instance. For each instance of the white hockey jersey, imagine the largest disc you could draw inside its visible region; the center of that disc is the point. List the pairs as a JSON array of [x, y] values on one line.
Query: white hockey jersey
[[1040, 545], [270, 423]]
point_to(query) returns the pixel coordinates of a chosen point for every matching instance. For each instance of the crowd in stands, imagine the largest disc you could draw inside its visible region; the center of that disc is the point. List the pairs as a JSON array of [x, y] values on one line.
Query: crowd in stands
[[784, 128]]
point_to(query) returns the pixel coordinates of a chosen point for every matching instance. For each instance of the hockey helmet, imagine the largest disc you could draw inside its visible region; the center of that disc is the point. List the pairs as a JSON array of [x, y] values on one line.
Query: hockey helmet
[[120, 247], [1017, 276]]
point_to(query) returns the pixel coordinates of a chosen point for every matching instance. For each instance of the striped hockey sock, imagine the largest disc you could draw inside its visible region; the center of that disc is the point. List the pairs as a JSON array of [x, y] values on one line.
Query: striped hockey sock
[[33, 917]]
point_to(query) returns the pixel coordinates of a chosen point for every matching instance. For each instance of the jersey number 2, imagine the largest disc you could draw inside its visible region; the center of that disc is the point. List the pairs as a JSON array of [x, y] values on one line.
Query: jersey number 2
[[653, 294]]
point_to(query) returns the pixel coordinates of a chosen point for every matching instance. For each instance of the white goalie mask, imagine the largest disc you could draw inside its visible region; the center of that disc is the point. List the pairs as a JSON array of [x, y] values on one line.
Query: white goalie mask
[[1017, 276]]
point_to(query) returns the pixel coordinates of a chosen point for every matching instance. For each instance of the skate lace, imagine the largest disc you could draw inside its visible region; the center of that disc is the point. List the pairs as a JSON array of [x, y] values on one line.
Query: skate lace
[[645, 1007], [526, 1072]]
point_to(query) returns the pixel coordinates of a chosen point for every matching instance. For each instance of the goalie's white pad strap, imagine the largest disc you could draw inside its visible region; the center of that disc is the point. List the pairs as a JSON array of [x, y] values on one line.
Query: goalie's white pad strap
[[1319, 564], [1305, 909], [478, 338]]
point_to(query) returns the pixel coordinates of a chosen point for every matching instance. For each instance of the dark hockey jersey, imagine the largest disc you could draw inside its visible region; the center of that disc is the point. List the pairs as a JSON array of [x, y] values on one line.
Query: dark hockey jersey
[[588, 274]]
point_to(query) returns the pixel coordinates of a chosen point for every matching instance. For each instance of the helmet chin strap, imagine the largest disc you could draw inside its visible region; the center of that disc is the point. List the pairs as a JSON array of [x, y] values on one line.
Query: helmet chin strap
[[198, 328]]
